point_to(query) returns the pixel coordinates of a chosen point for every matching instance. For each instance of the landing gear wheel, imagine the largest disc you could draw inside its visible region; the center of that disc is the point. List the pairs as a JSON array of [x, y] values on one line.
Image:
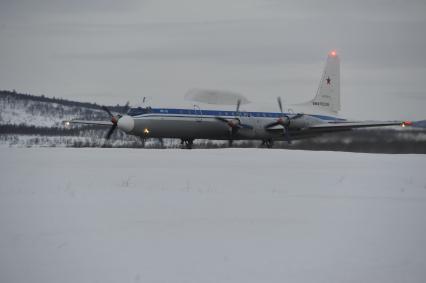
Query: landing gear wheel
[[187, 143]]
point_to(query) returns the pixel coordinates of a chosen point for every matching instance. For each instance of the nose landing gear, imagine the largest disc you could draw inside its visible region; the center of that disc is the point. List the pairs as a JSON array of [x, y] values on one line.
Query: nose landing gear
[[187, 143]]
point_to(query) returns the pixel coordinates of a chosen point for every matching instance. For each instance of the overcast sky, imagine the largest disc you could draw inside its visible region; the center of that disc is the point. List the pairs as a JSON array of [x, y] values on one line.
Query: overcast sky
[[113, 51]]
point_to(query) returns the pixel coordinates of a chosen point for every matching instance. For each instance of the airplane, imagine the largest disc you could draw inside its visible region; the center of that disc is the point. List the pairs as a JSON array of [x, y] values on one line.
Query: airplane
[[309, 119]]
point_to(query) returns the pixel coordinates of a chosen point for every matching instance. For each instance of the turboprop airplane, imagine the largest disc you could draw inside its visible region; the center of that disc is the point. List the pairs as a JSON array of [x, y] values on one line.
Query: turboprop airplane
[[315, 117]]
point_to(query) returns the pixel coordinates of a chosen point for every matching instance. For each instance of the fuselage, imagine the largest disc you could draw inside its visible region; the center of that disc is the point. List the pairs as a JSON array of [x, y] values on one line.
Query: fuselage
[[198, 123], [304, 120]]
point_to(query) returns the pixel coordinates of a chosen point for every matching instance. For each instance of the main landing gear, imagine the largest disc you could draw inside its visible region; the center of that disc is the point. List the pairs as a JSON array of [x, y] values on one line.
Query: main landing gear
[[187, 143], [269, 143]]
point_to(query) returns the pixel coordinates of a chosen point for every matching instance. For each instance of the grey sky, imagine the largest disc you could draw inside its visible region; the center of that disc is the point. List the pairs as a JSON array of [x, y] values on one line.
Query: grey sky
[[113, 51]]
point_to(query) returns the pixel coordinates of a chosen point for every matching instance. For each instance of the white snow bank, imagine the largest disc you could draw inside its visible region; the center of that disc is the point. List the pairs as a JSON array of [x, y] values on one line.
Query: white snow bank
[[228, 215]]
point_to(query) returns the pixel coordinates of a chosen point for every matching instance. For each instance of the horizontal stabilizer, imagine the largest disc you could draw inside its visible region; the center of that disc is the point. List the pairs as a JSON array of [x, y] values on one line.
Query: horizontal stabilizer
[[342, 126]]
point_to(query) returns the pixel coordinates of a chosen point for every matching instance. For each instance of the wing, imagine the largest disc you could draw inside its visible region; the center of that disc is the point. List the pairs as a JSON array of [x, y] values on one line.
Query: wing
[[347, 125], [100, 123]]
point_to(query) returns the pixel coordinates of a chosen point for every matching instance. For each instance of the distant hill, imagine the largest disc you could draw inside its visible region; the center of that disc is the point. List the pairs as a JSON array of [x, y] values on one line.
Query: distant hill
[[25, 118], [40, 111]]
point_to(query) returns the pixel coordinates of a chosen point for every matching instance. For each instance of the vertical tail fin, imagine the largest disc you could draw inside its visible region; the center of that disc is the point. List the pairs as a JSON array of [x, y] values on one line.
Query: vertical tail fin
[[328, 94]]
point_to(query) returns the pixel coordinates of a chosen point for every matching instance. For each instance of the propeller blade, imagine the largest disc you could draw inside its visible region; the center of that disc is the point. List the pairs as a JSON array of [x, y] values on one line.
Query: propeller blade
[[238, 105], [111, 130], [107, 110], [280, 105], [221, 119], [287, 127], [287, 135], [126, 107], [231, 123]]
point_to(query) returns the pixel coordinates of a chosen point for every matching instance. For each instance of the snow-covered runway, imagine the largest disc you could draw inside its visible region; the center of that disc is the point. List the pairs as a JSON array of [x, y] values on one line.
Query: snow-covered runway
[[219, 215]]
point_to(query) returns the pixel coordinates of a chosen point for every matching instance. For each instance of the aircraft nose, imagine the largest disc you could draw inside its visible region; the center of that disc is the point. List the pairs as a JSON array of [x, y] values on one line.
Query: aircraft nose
[[126, 123]]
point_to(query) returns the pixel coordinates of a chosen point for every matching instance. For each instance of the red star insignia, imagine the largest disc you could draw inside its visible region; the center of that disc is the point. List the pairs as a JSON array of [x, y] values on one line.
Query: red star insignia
[[328, 80]]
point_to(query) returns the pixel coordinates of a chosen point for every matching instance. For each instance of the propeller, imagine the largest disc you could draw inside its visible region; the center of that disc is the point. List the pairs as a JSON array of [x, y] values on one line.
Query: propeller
[[235, 123], [284, 120], [114, 119]]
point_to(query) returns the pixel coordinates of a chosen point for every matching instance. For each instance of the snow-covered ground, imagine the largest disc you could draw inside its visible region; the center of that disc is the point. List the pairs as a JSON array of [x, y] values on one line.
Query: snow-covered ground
[[222, 215]]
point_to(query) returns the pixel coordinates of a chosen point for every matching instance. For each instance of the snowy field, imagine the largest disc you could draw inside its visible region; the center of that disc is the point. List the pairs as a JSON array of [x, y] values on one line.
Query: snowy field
[[227, 215]]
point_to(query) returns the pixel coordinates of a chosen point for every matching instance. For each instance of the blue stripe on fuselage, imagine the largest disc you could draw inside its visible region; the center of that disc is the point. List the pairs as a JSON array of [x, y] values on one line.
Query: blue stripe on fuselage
[[168, 112]]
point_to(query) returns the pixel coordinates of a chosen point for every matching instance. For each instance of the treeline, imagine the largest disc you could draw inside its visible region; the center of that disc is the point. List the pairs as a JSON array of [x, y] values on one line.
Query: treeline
[[393, 146], [368, 141], [41, 98], [9, 129]]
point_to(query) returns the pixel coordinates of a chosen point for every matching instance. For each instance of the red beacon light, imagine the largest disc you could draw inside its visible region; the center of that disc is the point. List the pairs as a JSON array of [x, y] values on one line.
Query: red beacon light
[[333, 53], [407, 123]]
